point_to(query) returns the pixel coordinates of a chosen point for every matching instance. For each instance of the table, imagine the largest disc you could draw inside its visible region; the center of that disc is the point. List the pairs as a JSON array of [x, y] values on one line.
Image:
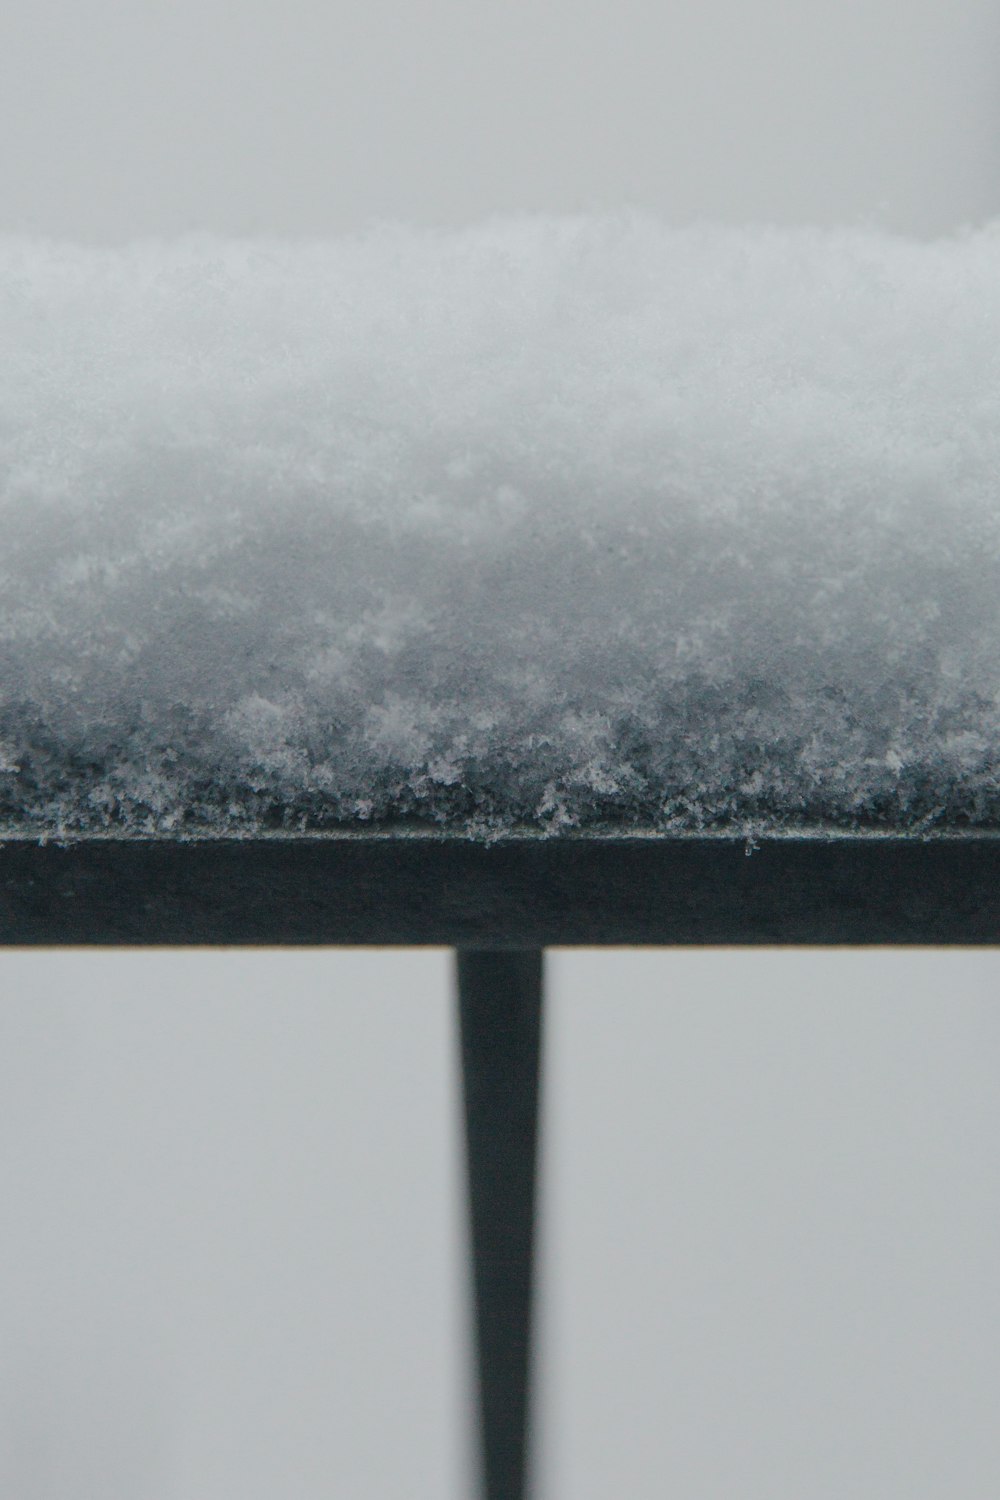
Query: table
[[499, 904]]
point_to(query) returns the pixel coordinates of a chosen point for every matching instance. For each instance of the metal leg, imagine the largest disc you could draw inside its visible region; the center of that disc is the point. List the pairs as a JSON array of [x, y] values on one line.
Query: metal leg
[[500, 1009]]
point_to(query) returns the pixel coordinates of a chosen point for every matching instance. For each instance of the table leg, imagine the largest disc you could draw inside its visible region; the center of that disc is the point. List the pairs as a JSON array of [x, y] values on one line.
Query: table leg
[[500, 1011]]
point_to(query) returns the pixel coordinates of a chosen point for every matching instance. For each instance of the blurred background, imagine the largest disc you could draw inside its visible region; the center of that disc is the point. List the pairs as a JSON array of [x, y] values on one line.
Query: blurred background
[[310, 117], [233, 1250]]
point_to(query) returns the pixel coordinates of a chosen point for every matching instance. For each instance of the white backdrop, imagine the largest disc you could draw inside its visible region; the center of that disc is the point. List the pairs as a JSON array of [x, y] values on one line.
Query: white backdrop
[[231, 1260]]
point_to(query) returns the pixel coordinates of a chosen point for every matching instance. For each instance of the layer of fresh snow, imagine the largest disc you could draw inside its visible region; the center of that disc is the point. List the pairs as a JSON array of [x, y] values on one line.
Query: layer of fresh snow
[[561, 522]]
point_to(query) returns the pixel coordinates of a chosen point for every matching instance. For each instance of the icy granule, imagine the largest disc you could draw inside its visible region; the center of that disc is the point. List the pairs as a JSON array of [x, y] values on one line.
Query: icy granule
[[559, 522]]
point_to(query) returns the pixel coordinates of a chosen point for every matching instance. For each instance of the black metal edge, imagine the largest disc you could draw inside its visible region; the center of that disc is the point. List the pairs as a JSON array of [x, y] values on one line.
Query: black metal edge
[[514, 892]]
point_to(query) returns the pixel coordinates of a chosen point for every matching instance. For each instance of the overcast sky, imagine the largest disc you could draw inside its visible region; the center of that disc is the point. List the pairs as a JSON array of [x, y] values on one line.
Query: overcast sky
[[231, 1261], [310, 117]]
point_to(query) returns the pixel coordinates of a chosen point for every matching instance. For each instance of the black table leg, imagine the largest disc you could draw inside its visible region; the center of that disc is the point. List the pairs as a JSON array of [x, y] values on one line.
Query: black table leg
[[500, 1011]]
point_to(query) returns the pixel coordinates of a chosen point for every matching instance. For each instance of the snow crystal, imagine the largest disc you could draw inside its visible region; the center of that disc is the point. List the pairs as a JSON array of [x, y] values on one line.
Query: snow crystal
[[577, 522]]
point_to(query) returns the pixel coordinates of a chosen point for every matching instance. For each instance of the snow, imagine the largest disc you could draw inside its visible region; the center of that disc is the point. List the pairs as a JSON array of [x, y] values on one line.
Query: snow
[[549, 522]]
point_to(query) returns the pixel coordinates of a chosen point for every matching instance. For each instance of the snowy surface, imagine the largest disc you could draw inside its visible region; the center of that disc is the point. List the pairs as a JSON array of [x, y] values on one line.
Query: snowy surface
[[558, 522]]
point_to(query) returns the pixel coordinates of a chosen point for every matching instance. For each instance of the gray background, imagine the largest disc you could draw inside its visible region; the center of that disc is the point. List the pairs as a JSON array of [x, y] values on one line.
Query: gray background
[[305, 117], [232, 1252]]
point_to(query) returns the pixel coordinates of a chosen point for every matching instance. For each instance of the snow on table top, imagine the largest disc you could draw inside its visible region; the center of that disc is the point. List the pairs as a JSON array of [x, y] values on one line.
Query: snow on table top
[[558, 522]]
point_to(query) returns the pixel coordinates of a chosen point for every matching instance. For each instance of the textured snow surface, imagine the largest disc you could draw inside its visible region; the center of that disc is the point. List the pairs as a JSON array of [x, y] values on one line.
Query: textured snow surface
[[561, 522]]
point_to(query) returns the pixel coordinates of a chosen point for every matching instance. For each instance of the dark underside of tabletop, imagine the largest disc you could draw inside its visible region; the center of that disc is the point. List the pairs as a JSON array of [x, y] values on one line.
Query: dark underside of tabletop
[[530, 891]]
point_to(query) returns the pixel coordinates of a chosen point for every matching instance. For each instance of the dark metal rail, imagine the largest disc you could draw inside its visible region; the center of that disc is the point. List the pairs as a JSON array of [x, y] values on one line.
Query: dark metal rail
[[499, 905], [527, 892]]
